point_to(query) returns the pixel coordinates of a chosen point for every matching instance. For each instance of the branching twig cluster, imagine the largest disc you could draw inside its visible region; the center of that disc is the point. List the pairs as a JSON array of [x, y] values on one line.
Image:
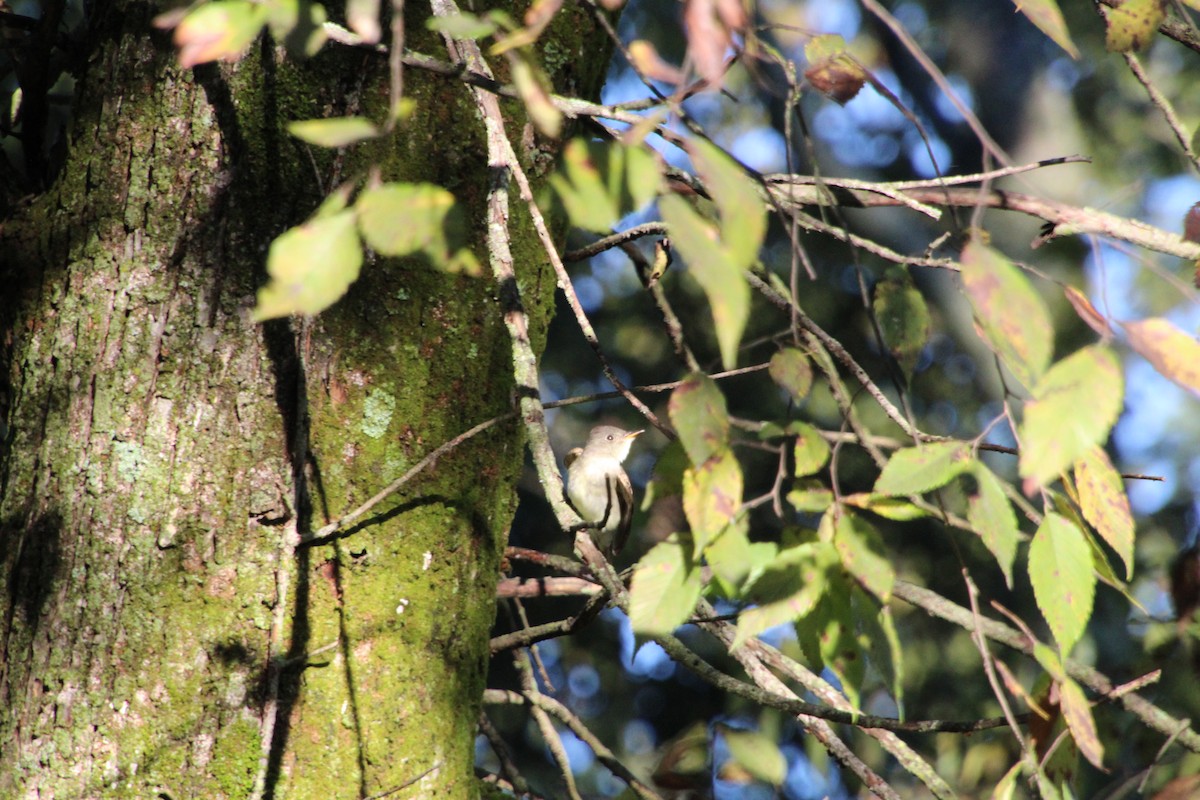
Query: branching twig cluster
[[774, 680]]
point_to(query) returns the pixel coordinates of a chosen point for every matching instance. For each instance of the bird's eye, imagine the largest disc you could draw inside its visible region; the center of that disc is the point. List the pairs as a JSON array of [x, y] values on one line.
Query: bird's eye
[[610, 437]]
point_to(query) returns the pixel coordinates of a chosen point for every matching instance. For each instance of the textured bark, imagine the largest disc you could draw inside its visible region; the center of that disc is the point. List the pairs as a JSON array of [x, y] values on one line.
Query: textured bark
[[160, 636]]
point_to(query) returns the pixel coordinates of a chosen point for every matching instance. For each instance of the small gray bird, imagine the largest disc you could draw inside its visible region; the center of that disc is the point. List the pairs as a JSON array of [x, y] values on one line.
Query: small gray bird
[[598, 487]]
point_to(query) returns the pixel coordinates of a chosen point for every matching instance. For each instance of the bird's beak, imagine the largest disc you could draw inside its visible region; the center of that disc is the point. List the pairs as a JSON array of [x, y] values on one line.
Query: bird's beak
[[634, 434]]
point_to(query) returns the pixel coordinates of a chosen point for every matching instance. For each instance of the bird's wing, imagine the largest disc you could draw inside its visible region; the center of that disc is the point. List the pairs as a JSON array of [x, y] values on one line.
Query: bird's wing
[[624, 498]]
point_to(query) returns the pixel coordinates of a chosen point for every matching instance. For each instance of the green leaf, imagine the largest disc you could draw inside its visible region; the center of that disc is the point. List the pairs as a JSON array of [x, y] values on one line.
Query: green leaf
[[811, 499], [1073, 408], [667, 478], [337, 132], [715, 269], [311, 266], [712, 494], [1011, 314], [863, 554], [402, 219], [1132, 24], [991, 515], [791, 369], [598, 183], [1047, 16], [1064, 585], [890, 664], [740, 208], [1007, 787], [299, 27], [1077, 711], [916, 470], [811, 452], [903, 318], [665, 588], [697, 410], [734, 558], [717, 254], [787, 589], [827, 636], [757, 754], [462, 26], [1104, 503]]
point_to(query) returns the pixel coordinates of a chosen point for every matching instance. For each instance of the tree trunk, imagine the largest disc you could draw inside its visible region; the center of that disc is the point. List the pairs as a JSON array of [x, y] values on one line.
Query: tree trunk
[[162, 633]]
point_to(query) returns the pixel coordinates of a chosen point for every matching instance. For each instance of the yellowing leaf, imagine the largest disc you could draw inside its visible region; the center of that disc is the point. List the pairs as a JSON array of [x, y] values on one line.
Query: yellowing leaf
[[813, 499], [336, 132], [697, 410], [863, 553], [401, 219], [811, 452], [1132, 24], [991, 515], [915, 470], [665, 588], [218, 31], [1060, 569], [1104, 503], [1078, 713], [1074, 406], [533, 86], [1169, 350], [791, 370], [311, 267], [885, 505], [1011, 314], [712, 494], [1048, 17]]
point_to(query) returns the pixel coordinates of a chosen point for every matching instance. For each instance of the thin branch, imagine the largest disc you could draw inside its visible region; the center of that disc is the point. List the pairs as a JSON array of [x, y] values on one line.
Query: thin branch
[[549, 732], [918, 53], [328, 531], [1151, 715], [1164, 105], [1062, 219], [507, 765], [567, 717], [616, 240], [546, 587]]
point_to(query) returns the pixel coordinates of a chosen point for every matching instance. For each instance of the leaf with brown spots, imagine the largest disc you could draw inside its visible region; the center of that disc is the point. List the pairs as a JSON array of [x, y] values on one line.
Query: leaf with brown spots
[[1011, 314], [1104, 503], [1169, 350]]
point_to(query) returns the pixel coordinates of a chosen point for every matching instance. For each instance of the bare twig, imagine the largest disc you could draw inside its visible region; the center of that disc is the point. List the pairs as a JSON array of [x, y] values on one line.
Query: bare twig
[[918, 53], [1151, 715], [565, 715], [1164, 105]]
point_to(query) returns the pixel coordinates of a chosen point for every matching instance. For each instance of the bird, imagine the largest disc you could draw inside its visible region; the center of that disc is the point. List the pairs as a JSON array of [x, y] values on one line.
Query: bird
[[598, 487]]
